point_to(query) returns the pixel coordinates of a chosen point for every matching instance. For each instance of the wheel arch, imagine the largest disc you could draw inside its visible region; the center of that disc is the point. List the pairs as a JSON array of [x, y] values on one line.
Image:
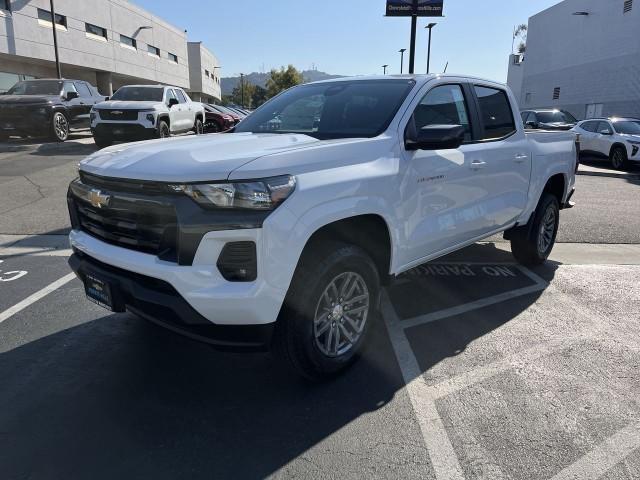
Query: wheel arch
[[556, 185], [164, 117], [617, 145]]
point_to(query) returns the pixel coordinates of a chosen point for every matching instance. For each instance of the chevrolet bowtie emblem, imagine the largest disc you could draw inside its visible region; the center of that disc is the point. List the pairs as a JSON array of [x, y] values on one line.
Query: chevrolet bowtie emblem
[[98, 199]]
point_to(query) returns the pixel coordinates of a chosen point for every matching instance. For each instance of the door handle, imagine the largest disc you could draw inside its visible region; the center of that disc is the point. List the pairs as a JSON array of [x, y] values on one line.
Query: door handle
[[478, 164], [520, 158]]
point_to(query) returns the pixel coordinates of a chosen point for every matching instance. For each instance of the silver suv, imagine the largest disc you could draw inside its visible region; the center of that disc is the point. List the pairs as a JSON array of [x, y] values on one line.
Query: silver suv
[[617, 139]]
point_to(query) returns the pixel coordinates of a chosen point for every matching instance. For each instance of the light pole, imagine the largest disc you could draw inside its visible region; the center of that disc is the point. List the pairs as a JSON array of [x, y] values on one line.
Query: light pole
[[384, 69], [242, 89], [402, 50], [55, 38], [430, 27]]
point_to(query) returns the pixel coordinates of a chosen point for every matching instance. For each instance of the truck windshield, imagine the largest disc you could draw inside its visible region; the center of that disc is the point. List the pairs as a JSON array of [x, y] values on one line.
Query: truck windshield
[[343, 109], [627, 127], [139, 94], [556, 117], [36, 87]]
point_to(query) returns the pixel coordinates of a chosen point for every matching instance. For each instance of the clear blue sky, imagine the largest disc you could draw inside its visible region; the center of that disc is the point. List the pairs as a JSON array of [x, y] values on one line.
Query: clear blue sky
[[348, 37]]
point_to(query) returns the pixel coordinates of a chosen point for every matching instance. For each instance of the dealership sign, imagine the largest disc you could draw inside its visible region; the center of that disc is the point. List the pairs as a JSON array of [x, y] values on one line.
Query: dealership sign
[[418, 8]]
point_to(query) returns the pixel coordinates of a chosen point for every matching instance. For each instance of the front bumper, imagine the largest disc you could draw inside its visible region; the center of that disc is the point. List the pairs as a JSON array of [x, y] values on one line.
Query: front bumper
[[124, 131], [22, 121], [157, 301]]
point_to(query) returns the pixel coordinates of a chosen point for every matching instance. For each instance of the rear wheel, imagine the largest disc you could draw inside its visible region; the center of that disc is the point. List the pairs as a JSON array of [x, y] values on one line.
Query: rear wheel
[[619, 158], [59, 127], [198, 128], [163, 130], [331, 304], [531, 244]]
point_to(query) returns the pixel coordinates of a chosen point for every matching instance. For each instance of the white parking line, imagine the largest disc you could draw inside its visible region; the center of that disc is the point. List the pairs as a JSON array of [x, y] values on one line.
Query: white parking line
[[605, 456], [36, 296]]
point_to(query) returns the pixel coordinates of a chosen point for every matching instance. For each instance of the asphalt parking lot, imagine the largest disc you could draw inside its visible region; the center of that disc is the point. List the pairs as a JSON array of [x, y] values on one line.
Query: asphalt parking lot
[[478, 368]]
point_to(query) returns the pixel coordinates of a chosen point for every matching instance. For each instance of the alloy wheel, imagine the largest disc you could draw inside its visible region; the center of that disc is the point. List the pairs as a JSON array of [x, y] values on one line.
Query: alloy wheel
[[547, 230], [61, 126], [341, 314]]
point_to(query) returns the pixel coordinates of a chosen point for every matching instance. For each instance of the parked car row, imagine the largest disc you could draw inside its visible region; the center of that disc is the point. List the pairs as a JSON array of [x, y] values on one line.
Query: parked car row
[[613, 138], [51, 107]]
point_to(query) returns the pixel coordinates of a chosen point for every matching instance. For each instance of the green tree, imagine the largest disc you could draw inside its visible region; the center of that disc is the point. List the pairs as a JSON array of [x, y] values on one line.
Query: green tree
[[282, 79], [245, 99], [259, 96], [520, 34]]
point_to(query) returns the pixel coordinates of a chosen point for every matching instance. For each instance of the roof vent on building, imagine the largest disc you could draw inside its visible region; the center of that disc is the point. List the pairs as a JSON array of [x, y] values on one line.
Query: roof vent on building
[[556, 93], [628, 6]]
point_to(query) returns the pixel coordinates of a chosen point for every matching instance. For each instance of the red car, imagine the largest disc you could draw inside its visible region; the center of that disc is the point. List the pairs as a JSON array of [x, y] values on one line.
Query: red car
[[217, 121], [226, 111]]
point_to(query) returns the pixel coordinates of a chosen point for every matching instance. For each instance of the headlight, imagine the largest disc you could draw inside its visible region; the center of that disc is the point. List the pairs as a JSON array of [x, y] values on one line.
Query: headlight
[[264, 194]]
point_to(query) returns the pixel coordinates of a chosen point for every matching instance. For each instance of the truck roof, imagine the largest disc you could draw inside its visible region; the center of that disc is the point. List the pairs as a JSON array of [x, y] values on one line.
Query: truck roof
[[420, 78]]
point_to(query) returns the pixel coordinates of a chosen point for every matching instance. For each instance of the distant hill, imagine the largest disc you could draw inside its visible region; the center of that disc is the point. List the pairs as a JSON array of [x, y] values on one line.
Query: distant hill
[[229, 83]]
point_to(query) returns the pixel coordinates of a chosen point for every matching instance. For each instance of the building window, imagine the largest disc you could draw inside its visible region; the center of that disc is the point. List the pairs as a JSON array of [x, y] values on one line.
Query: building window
[[628, 6], [206, 73], [153, 50], [556, 93], [173, 57], [128, 42], [96, 31], [5, 5], [44, 17]]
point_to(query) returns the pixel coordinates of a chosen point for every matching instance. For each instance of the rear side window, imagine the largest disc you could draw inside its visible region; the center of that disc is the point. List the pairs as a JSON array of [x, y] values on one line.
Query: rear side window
[[83, 90], [181, 97], [604, 127], [495, 113], [589, 126], [443, 105]]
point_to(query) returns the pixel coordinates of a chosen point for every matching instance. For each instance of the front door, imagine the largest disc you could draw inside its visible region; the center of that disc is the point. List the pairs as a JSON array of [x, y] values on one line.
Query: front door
[[441, 195]]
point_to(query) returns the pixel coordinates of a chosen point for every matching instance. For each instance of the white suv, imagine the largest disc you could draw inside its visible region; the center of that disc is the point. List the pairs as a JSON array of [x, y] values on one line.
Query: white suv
[[617, 139], [138, 112]]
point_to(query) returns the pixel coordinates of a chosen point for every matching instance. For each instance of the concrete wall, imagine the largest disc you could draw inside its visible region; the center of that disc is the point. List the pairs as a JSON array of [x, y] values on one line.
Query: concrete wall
[[27, 45], [515, 75], [205, 88], [593, 58]]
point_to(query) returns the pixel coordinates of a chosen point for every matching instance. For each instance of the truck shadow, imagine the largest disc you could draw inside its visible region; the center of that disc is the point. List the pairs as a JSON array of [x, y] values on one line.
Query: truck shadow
[[118, 397]]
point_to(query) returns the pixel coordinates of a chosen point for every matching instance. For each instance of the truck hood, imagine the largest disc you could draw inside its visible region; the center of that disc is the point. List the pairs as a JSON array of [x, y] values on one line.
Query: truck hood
[[28, 99], [129, 105], [191, 158]]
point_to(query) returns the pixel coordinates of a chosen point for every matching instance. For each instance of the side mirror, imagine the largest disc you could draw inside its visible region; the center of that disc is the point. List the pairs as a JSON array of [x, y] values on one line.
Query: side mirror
[[106, 99], [435, 137], [71, 95], [531, 124], [172, 102], [606, 132]]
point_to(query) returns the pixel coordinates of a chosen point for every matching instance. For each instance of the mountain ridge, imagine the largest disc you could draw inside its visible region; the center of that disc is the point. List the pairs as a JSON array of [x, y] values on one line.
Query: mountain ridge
[[260, 79]]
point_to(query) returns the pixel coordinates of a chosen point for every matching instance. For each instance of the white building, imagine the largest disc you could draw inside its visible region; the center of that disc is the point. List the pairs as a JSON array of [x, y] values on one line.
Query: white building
[[582, 56], [204, 72], [109, 43]]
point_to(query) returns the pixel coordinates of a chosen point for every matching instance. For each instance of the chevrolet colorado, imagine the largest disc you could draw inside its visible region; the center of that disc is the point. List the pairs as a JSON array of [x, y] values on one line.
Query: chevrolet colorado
[[264, 238]]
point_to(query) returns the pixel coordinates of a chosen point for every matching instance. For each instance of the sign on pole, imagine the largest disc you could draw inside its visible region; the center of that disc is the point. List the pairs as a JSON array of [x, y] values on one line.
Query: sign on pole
[[418, 8]]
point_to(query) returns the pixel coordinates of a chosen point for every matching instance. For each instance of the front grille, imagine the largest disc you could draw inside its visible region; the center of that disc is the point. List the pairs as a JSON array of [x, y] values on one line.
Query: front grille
[[123, 184], [115, 114], [133, 221]]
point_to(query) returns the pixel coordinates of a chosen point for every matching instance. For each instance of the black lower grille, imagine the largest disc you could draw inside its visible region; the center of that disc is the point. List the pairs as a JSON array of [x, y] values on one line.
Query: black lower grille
[[143, 223], [238, 263], [115, 114]]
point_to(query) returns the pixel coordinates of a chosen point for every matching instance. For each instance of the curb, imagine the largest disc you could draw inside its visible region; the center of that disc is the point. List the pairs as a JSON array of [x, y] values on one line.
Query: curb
[[627, 176]]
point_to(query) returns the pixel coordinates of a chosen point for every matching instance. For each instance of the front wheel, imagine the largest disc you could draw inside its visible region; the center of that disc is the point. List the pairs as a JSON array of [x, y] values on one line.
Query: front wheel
[[59, 127], [532, 244], [619, 158], [198, 128], [163, 130], [331, 304], [102, 142]]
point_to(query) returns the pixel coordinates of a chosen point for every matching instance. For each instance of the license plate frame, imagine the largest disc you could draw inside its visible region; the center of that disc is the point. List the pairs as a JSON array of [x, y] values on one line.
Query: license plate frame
[[98, 291]]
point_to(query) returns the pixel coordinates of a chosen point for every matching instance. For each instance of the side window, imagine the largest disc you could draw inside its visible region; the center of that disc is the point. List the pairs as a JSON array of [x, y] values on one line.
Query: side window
[[589, 126], [495, 113], [181, 97], [170, 95], [68, 87], [604, 128], [443, 105], [83, 90]]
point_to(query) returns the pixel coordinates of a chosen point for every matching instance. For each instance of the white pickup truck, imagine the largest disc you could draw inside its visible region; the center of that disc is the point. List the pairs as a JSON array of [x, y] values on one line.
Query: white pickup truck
[[282, 237], [139, 112]]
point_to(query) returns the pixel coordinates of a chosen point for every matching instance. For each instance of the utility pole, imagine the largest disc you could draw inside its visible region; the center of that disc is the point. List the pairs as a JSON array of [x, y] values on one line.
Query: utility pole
[[384, 69], [402, 50], [242, 89], [55, 38], [412, 47], [430, 27]]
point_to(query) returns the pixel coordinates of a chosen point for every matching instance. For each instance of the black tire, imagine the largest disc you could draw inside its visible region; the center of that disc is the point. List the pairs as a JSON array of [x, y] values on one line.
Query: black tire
[[619, 158], [163, 130], [298, 340], [59, 128], [102, 142], [531, 244], [198, 127]]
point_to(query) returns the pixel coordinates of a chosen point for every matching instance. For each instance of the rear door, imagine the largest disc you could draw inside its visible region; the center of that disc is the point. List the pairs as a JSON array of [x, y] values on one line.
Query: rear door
[[75, 109], [588, 135], [87, 100], [603, 139], [502, 159], [186, 116]]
